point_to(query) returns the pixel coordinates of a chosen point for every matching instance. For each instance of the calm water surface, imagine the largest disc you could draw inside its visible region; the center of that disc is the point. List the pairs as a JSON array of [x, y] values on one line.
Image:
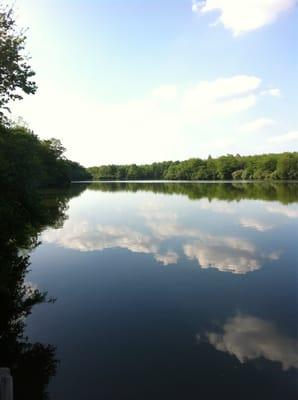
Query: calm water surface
[[171, 291]]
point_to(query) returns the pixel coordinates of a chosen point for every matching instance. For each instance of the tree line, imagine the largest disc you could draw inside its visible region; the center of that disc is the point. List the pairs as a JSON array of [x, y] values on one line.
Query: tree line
[[228, 167]]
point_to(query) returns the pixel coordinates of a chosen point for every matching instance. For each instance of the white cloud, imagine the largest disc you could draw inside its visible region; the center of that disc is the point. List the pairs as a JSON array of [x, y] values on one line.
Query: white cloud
[[171, 257], [275, 255], [244, 16], [290, 211], [157, 227], [248, 338], [87, 237], [223, 255], [165, 93], [219, 98], [163, 223], [216, 206], [227, 254], [291, 136], [226, 87], [255, 224], [257, 125], [275, 92], [162, 116]]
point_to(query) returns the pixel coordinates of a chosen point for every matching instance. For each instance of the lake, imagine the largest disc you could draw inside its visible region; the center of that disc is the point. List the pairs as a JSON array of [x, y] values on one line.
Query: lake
[[171, 291]]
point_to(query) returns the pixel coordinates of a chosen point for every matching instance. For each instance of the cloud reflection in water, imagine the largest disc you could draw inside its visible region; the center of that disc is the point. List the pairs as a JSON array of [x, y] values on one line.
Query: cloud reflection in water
[[248, 338], [167, 234]]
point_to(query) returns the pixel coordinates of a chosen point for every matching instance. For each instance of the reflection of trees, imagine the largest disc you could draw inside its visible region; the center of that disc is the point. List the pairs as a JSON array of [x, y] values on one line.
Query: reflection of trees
[[32, 364], [285, 192]]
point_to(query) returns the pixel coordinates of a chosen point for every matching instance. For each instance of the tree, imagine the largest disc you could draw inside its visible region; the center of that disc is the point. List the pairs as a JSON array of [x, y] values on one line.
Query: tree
[[287, 166], [226, 165], [15, 72], [55, 147], [132, 172]]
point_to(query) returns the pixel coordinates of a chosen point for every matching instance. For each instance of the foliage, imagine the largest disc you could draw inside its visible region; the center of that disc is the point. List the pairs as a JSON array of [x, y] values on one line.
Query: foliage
[[287, 166], [28, 163], [228, 167], [15, 72]]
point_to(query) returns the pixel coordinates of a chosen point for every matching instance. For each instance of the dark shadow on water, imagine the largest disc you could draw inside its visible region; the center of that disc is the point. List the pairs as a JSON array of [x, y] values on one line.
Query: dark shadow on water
[[22, 219]]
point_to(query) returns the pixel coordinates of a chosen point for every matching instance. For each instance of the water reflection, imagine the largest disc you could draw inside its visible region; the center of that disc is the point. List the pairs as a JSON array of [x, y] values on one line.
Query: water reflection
[[248, 338], [32, 364], [283, 192], [291, 211], [228, 254], [223, 253], [171, 231], [253, 223], [134, 319]]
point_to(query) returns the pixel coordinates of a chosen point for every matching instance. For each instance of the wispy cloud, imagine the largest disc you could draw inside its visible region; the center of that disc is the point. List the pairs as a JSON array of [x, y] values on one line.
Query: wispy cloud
[[166, 114], [291, 136], [216, 206], [275, 92], [257, 125], [219, 98], [244, 16], [290, 211], [255, 224], [165, 93]]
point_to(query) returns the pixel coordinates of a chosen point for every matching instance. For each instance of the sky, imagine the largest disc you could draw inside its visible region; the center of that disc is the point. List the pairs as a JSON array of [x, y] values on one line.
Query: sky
[[138, 81]]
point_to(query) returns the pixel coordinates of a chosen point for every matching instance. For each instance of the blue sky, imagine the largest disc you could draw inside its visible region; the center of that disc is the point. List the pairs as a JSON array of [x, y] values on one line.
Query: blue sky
[[123, 81]]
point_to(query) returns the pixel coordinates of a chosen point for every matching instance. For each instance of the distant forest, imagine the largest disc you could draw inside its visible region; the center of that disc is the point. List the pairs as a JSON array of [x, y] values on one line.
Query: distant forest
[[228, 167]]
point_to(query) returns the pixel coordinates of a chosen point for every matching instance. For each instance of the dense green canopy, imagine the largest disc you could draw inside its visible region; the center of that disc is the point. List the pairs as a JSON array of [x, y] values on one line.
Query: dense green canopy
[[228, 167], [28, 163]]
